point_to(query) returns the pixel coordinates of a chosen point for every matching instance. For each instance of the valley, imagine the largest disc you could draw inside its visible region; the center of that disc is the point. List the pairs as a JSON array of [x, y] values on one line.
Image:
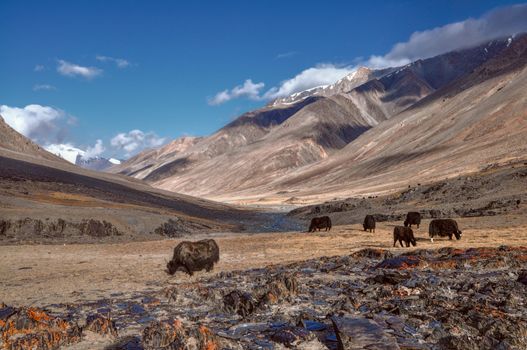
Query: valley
[[84, 242]]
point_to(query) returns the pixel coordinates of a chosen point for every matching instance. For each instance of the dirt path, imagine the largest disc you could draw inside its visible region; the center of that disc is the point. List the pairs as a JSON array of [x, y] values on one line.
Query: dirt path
[[45, 274]]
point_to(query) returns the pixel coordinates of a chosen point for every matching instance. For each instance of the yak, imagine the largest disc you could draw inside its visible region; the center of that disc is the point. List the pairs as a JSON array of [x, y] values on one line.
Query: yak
[[406, 234], [194, 256], [442, 228], [320, 223], [369, 223], [412, 218]]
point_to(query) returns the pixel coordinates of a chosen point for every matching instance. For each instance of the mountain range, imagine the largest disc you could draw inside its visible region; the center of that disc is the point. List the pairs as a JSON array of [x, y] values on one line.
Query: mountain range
[[79, 157], [372, 132]]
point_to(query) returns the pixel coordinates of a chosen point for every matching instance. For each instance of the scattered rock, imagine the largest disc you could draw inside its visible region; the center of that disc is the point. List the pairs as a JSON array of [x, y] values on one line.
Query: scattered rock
[[241, 303], [354, 333], [31, 328], [173, 336], [100, 324]]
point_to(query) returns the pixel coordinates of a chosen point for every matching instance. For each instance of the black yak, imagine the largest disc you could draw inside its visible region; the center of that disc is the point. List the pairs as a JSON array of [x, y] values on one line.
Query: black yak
[[442, 228], [194, 256], [405, 234], [320, 223], [412, 218], [369, 223]]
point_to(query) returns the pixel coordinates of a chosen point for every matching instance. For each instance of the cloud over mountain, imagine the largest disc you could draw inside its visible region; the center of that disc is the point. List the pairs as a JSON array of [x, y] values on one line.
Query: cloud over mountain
[[136, 140], [249, 90], [42, 124], [470, 32], [422, 44]]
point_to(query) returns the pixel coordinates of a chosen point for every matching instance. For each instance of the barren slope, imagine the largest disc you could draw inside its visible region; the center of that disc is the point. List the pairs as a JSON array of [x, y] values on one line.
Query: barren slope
[[276, 148], [45, 199], [477, 121]]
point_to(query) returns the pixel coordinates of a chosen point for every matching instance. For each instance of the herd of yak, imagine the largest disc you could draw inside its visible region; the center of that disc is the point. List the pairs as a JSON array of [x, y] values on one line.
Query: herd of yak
[[190, 257], [437, 227]]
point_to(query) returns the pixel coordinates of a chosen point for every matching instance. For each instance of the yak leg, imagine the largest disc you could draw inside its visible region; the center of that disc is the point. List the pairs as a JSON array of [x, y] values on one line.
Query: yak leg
[[401, 242], [407, 244], [189, 271], [209, 267], [450, 236], [394, 241]]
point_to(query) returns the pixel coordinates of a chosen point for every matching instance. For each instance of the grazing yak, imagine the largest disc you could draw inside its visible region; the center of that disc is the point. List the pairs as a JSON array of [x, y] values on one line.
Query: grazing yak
[[442, 228], [369, 223], [405, 234], [412, 218], [320, 223], [194, 256]]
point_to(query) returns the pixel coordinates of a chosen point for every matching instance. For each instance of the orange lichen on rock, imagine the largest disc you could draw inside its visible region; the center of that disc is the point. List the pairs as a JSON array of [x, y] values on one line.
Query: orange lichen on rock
[[31, 328], [207, 339], [174, 335], [101, 324]]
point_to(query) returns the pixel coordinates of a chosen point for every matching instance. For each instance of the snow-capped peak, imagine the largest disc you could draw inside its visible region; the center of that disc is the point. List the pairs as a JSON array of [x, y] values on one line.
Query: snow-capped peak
[[114, 161], [346, 83], [65, 151]]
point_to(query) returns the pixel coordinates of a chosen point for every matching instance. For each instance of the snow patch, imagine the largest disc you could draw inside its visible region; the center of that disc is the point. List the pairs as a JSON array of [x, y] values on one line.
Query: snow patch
[[65, 151]]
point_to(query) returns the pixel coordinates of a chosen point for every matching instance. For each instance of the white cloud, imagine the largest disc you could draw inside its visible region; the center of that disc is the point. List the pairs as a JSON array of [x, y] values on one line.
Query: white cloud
[[135, 141], [470, 32], [42, 124], [39, 68], [248, 89], [495, 24], [120, 62], [70, 152], [322, 74], [64, 150], [94, 151], [39, 87], [72, 70]]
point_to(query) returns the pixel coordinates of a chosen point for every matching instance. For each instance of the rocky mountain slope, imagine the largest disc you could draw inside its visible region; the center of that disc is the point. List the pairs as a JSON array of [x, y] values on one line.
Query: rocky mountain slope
[[43, 198], [476, 122], [311, 143], [15, 142], [81, 158]]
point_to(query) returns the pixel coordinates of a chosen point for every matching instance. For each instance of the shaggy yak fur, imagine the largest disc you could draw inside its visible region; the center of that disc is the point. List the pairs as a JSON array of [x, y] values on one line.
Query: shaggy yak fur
[[405, 234], [320, 223], [194, 256], [442, 228], [412, 218], [369, 223]]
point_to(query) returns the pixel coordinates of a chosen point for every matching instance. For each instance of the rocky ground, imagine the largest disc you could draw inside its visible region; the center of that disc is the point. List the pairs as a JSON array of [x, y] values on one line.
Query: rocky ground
[[493, 192], [422, 299], [346, 289]]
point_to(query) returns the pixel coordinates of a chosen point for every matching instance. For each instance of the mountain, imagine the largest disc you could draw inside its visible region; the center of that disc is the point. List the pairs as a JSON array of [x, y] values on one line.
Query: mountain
[[344, 85], [45, 198], [96, 163], [15, 142], [278, 147], [79, 157], [475, 123]]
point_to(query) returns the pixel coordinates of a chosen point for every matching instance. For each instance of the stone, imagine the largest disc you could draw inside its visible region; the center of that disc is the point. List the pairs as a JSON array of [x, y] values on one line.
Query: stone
[[354, 333]]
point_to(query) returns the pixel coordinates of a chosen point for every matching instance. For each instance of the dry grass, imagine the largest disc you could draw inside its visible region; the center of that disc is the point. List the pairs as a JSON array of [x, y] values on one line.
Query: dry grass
[[45, 274]]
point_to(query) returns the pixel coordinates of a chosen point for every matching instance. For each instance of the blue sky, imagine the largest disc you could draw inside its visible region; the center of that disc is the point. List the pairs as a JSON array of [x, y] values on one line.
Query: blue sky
[[100, 68]]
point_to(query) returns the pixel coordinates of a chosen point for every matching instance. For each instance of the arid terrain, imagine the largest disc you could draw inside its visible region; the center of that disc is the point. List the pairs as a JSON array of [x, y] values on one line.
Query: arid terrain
[[83, 253], [128, 280], [374, 132]]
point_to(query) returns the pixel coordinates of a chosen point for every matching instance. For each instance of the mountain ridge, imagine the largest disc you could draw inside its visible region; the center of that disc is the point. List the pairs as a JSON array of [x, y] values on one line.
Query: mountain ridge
[[274, 143]]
